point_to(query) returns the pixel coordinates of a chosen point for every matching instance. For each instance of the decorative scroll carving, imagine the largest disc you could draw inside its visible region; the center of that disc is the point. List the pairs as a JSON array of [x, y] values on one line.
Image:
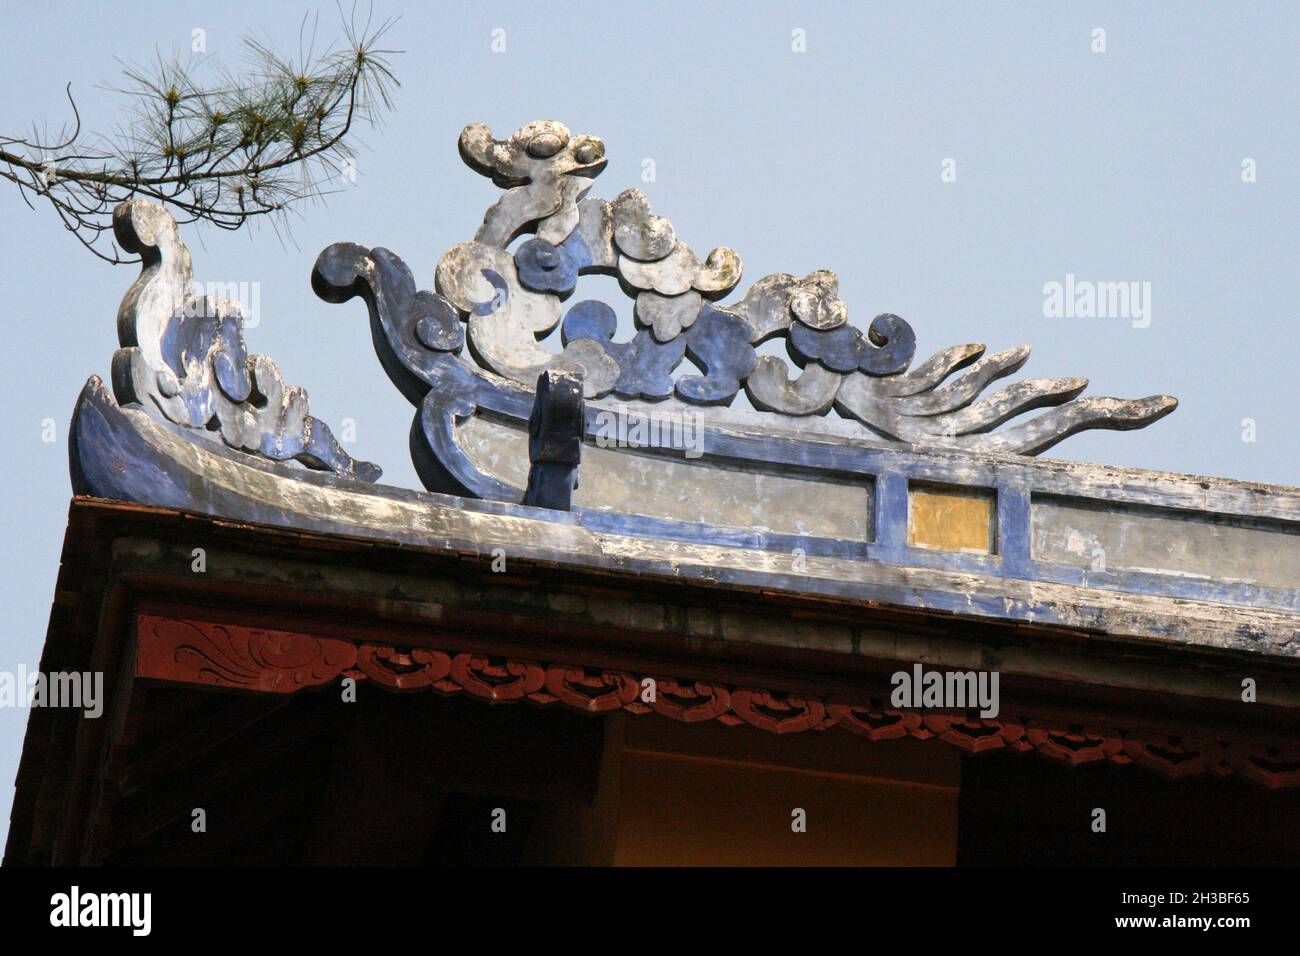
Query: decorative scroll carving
[[777, 713], [976, 735], [544, 170], [1175, 757], [873, 720], [689, 702], [511, 300], [595, 692], [645, 364], [246, 658], [410, 670], [1075, 745], [497, 680], [1273, 767], [183, 358], [249, 658]]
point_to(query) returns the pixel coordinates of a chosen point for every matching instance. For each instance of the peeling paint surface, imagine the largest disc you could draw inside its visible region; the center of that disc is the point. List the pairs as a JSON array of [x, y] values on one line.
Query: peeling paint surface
[[625, 481], [125, 454], [1143, 539]]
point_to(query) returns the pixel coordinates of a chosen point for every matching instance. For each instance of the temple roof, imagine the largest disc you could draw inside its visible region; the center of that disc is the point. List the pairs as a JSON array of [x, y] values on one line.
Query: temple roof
[[598, 516], [278, 610]]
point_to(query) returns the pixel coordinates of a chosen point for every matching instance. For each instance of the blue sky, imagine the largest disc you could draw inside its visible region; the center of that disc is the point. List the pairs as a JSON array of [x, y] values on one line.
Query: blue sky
[[1123, 165]]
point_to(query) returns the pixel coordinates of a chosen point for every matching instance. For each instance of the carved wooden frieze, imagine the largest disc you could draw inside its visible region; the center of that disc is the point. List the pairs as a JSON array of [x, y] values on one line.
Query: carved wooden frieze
[[244, 658]]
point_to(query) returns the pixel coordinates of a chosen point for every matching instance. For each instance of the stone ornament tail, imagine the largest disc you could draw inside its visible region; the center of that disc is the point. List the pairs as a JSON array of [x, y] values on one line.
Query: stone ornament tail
[[183, 358]]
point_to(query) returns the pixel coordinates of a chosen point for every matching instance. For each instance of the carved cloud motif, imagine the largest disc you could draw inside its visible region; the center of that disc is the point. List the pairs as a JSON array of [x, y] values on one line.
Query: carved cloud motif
[[511, 297]]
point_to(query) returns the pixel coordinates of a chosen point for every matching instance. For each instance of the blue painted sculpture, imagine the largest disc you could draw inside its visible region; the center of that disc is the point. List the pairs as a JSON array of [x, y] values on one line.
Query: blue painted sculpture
[[510, 300], [787, 497], [183, 355]]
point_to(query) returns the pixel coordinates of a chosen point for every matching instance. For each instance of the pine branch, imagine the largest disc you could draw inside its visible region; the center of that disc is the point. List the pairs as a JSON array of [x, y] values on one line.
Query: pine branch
[[249, 145]]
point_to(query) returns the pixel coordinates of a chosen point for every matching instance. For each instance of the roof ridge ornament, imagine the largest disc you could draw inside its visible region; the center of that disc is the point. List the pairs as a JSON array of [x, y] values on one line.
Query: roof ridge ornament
[[183, 358], [504, 302], [782, 501]]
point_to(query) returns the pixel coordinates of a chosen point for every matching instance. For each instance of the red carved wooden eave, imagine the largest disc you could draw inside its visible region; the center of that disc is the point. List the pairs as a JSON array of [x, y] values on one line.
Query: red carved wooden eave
[[228, 672], [193, 650]]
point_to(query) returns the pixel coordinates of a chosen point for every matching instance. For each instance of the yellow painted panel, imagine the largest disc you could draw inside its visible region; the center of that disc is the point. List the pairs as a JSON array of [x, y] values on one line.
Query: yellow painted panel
[[950, 519]]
